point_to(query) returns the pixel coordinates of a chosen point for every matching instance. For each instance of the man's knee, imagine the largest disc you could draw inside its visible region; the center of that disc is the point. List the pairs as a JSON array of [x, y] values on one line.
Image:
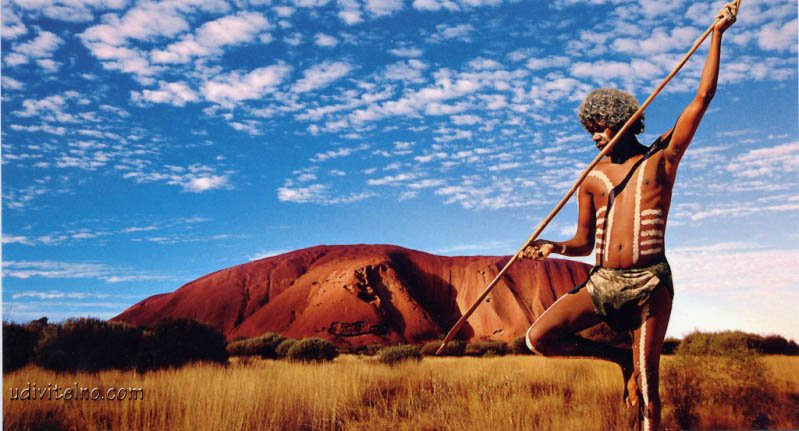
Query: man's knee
[[538, 342]]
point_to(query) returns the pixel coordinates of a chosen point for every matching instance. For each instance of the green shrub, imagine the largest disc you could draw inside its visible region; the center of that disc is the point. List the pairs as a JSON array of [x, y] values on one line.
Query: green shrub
[[518, 346], [282, 349], [725, 343], [490, 348], [175, 342], [264, 346], [18, 345], [395, 354], [87, 344], [312, 349], [452, 348]]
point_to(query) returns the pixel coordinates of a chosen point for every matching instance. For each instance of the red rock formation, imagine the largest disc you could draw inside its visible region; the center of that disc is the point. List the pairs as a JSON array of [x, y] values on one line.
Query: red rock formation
[[363, 294]]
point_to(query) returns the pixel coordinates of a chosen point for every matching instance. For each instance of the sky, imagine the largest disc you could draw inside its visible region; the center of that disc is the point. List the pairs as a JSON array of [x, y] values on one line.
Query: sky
[[146, 144]]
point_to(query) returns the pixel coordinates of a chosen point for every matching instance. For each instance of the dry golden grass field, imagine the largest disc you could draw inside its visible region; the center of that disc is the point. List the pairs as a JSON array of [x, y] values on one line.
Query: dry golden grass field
[[357, 393]]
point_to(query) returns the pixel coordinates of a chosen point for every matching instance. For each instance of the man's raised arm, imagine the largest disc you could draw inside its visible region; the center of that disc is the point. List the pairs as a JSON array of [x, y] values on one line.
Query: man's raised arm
[[689, 119]]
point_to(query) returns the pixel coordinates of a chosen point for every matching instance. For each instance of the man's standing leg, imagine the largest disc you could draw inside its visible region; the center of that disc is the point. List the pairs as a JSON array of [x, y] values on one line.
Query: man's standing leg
[[647, 345]]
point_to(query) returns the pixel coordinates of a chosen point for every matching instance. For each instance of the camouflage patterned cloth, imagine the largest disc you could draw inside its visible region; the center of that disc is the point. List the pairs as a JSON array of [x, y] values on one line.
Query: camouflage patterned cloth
[[618, 294]]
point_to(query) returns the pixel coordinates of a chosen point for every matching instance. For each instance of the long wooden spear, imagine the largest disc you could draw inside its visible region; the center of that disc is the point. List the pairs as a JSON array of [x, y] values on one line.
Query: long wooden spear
[[459, 324]]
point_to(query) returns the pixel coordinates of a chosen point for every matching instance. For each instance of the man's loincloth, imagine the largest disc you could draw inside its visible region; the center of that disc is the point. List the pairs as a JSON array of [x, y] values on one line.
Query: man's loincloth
[[619, 294]]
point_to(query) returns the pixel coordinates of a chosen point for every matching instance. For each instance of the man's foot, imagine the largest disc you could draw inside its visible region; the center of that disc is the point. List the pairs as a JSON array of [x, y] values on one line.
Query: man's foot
[[630, 377], [631, 393]]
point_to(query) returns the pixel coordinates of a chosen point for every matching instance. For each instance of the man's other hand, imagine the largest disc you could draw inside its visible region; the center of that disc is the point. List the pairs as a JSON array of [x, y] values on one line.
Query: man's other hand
[[726, 17], [538, 250]]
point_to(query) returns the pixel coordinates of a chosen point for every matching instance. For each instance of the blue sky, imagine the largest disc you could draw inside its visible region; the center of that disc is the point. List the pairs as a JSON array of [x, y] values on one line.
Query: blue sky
[[147, 144]]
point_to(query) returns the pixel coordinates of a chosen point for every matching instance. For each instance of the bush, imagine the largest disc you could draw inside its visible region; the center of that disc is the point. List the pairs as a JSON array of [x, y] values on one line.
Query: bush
[[734, 388], [312, 349], [282, 349], [264, 346], [670, 346], [719, 343], [175, 342], [484, 348], [452, 348], [518, 346], [367, 350], [18, 345], [393, 355], [87, 344], [777, 345]]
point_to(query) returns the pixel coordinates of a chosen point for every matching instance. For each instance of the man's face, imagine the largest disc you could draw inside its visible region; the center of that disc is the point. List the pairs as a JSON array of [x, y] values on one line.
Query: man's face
[[601, 135]]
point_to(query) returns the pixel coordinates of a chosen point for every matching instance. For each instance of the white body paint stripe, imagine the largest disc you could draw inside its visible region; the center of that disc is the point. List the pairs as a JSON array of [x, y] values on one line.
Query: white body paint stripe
[[600, 220], [653, 221], [652, 251], [652, 233], [601, 210], [642, 364], [637, 216], [609, 186], [651, 242], [645, 213]]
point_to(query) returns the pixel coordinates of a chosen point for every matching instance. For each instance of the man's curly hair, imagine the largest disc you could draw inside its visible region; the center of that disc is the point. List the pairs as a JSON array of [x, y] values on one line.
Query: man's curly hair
[[609, 107]]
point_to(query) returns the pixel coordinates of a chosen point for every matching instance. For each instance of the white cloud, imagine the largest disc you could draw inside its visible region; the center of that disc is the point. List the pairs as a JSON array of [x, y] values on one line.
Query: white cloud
[[227, 89], [16, 239], [460, 32], [447, 86], [204, 183], [325, 41], [767, 162], [384, 7], [321, 75], [67, 10], [13, 27], [10, 83], [391, 180], [503, 247], [409, 71], [660, 41], [605, 71], [406, 52], [212, 36], [284, 11], [310, 193], [452, 5], [557, 61], [733, 266], [653, 8], [174, 93], [435, 5], [267, 253], [110, 40], [309, 3], [50, 109], [52, 269], [774, 37], [38, 49], [55, 294], [194, 178], [341, 152]]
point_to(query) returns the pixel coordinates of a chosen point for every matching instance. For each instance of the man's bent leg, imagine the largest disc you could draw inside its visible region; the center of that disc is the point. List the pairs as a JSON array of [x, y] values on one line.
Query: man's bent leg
[[648, 343], [553, 333]]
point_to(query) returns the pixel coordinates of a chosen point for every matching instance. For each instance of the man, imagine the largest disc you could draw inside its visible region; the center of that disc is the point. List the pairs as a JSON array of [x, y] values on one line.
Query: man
[[623, 209]]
